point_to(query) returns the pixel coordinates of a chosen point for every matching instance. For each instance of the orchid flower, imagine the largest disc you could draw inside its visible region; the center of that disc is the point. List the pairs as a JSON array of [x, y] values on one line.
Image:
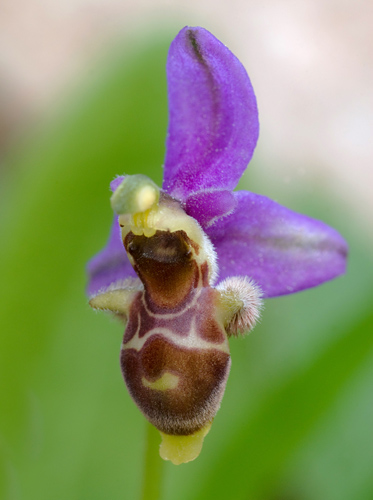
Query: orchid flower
[[187, 266]]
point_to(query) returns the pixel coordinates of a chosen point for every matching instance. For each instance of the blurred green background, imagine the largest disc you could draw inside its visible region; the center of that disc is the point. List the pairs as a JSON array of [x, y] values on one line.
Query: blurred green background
[[296, 419]]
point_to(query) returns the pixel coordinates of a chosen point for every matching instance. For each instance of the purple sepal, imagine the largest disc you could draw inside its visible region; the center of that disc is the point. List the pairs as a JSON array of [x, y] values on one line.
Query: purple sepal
[[213, 117], [283, 251], [208, 207], [109, 265]]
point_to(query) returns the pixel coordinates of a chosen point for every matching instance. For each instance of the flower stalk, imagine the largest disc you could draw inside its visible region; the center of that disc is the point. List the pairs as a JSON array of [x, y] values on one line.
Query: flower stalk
[[153, 466]]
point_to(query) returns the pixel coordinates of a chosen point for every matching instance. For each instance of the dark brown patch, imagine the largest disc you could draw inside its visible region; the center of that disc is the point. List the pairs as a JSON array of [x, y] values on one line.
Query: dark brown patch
[[205, 274], [194, 402], [210, 331], [133, 318], [165, 265], [206, 325]]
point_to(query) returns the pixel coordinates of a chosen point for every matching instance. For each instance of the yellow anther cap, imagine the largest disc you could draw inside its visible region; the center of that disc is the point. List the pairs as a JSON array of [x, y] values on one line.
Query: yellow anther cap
[[136, 193]]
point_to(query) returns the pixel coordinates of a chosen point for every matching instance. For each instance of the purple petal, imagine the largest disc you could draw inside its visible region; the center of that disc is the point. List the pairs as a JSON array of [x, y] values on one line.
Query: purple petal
[[213, 117], [209, 206], [283, 251], [111, 264]]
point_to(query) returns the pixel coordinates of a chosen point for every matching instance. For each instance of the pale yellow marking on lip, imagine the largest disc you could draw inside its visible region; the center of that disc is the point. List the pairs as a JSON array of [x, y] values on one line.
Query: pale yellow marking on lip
[[183, 449], [167, 381]]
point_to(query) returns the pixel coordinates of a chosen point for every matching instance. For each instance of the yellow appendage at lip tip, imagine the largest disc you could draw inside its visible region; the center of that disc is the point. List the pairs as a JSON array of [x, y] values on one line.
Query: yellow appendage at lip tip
[[182, 449]]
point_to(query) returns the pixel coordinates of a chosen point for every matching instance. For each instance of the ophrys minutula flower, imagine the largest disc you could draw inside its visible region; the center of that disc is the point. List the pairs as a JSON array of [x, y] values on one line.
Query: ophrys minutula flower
[[186, 266]]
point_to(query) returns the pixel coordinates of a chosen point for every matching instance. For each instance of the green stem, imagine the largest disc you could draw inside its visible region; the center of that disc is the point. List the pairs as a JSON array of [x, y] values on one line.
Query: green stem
[[152, 482]]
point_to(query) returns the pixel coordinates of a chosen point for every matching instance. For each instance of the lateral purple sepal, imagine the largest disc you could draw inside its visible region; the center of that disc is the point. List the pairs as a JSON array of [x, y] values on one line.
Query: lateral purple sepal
[[213, 117], [109, 265], [283, 251], [208, 207]]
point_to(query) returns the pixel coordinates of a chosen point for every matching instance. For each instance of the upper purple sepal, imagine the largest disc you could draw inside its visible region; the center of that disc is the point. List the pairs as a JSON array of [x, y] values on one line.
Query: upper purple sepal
[[281, 250], [213, 117]]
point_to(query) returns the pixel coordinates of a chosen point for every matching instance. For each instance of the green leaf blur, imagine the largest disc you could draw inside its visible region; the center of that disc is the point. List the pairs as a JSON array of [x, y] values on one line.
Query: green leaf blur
[[295, 422]]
